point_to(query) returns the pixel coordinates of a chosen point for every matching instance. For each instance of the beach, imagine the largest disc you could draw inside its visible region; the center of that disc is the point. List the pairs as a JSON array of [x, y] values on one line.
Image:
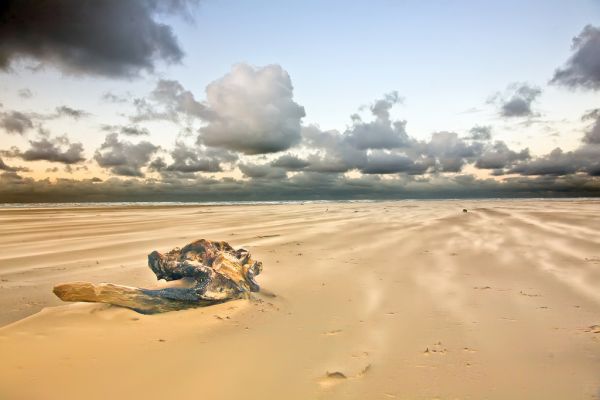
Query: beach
[[360, 300]]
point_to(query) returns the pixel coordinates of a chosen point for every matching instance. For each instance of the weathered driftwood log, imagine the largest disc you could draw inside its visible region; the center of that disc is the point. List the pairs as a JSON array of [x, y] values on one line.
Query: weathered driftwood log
[[217, 271]]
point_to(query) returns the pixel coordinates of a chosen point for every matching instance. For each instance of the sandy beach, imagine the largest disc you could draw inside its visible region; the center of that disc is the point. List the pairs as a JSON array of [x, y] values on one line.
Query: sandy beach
[[386, 300]]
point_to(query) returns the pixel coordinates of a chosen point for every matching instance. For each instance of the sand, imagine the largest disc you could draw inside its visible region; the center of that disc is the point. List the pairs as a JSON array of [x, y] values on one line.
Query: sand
[[393, 300]]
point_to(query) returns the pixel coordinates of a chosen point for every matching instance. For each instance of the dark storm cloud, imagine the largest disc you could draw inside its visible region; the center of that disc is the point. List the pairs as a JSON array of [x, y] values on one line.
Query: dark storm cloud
[[302, 186], [108, 37], [290, 162], [15, 122], [498, 156], [190, 159], [12, 180], [262, 171], [385, 162], [555, 163], [252, 111], [593, 134], [517, 101], [585, 159], [58, 149], [123, 157], [582, 69]]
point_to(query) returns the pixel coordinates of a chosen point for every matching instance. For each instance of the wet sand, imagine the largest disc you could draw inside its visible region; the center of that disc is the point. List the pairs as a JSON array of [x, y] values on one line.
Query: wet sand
[[389, 300]]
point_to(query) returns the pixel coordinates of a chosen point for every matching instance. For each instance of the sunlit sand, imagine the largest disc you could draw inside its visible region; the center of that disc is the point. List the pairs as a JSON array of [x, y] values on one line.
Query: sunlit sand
[[406, 300]]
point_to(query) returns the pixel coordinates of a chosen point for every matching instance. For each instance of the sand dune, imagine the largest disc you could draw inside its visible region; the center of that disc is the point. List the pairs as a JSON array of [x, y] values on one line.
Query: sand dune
[[405, 300]]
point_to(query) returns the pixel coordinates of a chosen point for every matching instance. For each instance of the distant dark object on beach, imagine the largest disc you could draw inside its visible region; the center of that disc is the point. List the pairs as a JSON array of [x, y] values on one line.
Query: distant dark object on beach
[[465, 210], [218, 272]]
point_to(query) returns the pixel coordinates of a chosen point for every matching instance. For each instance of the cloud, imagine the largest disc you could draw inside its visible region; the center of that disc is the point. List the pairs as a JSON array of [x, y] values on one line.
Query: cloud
[[123, 157], [482, 133], [290, 162], [4, 167], [188, 159], [451, 152], [168, 101], [499, 156], [12, 180], [134, 131], [386, 162], [582, 69], [517, 100], [382, 146], [555, 163], [334, 152], [69, 168], [110, 97], [109, 37], [25, 93], [20, 122], [331, 151], [252, 111], [585, 159], [64, 111], [381, 133], [15, 122], [262, 171], [593, 134], [58, 149], [130, 130], [302, 186]]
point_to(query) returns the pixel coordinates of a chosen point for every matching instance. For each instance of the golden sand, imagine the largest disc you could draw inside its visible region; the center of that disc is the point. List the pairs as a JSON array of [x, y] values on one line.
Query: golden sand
[[398, 300]]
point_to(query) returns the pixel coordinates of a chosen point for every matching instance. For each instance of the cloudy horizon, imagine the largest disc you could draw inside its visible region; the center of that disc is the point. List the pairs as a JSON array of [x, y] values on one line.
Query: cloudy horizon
[[148, 101]]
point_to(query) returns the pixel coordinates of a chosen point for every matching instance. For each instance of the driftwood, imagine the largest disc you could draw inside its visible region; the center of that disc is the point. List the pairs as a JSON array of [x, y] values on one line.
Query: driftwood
[[217, 271]]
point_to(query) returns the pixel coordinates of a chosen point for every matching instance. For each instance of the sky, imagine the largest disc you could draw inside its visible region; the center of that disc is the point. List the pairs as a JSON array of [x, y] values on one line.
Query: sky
[[185, 100]]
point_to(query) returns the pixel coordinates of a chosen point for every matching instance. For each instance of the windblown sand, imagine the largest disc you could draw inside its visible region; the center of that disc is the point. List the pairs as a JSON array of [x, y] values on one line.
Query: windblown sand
[[398, 300]]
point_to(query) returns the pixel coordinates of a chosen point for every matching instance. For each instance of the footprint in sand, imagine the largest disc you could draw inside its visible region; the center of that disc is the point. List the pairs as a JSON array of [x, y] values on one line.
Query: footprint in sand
[[437, 348], [522, 293], [593, 329], [333, 378], [360, 355], [333, 332], [364, 371]]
